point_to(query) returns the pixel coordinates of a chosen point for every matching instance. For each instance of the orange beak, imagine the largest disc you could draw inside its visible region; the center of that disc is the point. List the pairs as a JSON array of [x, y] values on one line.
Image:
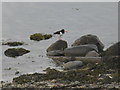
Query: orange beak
[[66, 31]]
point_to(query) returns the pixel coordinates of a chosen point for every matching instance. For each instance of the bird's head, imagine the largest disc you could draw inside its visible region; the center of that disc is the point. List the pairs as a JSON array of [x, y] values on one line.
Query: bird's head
[[63, 30]]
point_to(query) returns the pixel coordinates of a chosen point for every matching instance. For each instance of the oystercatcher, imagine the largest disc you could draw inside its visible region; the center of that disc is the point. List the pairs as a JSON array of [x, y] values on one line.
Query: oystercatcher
[[60, 33]]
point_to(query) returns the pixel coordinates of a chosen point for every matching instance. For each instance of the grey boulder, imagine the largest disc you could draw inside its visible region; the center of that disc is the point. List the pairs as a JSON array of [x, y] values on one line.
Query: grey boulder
[[89, 39], [80, 50]]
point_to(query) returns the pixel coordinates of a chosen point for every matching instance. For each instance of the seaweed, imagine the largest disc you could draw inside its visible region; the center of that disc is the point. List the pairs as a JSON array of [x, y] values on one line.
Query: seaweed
[[40, 36]]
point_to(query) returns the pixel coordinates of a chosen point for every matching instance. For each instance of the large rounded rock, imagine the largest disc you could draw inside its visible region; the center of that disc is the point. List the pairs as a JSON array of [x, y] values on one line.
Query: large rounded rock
[[15, 52], [55, 53], [113, 50], [92, 54], [89, 39], [112, 56], [58, 45], [80, 50], [72, 65]]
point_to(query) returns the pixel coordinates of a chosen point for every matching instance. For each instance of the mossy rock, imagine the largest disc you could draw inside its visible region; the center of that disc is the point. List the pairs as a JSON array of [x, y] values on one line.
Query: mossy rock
[[111, 56], [40, 36], [15, 52], [13, 43]]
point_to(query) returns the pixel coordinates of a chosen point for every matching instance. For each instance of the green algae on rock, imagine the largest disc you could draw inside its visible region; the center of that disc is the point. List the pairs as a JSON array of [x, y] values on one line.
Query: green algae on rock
[[40, 36], [15, 52], [13, 43]]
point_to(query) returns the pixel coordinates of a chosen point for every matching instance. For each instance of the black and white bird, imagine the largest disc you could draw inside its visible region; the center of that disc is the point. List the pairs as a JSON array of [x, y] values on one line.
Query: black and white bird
[[60, 33]]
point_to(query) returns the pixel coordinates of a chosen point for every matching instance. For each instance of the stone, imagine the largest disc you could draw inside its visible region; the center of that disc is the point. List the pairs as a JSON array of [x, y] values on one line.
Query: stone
[[80, 50], [58, 45], [92, 54], [55, 53], [72, 65], [113, 50], [89, 39], [15, 52], [111, 56]]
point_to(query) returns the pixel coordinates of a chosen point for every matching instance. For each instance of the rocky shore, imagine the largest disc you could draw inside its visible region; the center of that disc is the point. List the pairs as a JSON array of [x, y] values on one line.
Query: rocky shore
[[84, 65]]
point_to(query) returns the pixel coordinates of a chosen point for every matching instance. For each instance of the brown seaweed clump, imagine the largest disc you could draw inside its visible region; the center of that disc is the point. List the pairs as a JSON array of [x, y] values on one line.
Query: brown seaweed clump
[[40, 36], [88, 74], [13, 43]]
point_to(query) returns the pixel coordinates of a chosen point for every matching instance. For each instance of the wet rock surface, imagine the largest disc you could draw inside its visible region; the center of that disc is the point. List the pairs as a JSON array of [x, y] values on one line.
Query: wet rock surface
[[40, 36], [89, 39], [80, 50], [15, 52], [58, 45]]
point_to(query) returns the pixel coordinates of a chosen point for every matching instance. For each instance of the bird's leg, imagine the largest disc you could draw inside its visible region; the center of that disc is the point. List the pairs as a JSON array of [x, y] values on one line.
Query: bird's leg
[[60, 37]]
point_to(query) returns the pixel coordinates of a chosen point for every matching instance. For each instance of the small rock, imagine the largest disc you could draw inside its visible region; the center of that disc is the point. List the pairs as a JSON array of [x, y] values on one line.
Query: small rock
[[72, 65], [92, 54]]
